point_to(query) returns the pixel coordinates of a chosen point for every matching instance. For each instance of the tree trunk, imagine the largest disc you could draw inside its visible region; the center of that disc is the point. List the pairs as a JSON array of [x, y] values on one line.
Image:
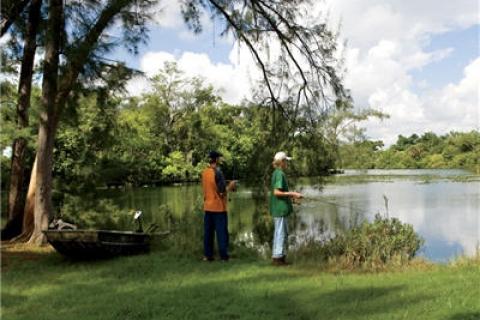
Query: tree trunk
[[47, 126], [16, 194], [43, 209], [28, 213]]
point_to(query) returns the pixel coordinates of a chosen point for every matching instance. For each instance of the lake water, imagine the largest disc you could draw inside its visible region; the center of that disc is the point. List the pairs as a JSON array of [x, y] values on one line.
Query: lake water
[[442, 205]]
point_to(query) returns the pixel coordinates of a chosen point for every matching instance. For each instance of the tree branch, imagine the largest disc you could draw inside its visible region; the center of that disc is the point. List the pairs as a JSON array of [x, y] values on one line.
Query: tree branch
[[241, 35], [80, 54], [13, 14]]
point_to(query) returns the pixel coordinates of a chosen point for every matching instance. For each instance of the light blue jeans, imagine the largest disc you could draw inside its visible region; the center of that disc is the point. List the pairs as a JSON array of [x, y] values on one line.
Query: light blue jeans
[[280, 237]]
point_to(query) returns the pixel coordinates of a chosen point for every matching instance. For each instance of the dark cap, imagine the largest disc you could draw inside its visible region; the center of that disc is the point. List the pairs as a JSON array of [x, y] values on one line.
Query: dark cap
[[214, 154]]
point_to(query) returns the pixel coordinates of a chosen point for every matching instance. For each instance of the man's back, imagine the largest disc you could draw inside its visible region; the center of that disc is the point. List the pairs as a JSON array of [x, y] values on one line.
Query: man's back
[[213, 201]]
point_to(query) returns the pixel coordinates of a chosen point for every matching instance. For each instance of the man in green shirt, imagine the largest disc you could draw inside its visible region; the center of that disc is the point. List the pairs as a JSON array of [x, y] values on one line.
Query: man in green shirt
[[280, 206]]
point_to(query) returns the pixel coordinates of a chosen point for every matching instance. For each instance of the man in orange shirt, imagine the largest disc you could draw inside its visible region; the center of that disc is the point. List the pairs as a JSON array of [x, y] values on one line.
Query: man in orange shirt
[[215, 220]]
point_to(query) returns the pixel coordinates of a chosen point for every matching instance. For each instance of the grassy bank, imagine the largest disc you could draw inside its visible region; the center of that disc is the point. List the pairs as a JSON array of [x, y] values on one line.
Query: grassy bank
[[40, 284]]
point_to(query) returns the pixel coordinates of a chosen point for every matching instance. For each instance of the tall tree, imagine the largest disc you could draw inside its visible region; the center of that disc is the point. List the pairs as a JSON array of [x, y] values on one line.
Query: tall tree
[[16, 196], [48, 120], [55, 95]]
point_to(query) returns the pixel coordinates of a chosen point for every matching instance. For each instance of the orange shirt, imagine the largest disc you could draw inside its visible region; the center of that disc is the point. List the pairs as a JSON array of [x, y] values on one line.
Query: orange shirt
[[212, 201]]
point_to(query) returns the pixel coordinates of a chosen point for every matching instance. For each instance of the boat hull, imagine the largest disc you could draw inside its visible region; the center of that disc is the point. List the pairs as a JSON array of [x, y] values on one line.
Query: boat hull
[[86, 244]]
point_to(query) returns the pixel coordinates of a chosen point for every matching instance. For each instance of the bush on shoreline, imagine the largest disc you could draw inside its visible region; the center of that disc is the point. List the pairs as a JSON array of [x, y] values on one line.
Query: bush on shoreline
[[372, 245]]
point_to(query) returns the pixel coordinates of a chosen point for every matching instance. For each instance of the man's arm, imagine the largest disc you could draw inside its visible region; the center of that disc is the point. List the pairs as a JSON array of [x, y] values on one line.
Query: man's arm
[[279, 184], [291, 194]]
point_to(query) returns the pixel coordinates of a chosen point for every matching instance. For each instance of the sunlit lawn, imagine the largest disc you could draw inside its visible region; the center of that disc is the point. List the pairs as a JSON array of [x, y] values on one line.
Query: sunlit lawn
[[40, 284]]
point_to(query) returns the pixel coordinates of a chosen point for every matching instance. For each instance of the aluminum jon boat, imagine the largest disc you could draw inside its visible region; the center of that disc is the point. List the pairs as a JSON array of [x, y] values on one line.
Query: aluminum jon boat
[[94, 244]]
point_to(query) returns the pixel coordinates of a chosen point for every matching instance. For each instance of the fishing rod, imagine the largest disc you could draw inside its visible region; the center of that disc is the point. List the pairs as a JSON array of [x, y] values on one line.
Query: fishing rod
[[234, 169], [236, 181], [350, 207]]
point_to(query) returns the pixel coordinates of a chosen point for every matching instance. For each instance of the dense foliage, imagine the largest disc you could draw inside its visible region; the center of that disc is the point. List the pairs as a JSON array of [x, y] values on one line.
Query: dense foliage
[[164, 137], [373, 245], [452, 150]]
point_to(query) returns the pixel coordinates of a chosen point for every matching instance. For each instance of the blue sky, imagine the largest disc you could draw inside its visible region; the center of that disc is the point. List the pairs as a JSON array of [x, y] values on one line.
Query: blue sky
[[420, 64], [170, 40], [465, 44]]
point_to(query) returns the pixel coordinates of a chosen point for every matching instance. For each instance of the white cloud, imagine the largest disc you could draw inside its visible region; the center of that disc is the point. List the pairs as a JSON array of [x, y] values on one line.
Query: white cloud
[[421, 58], [137, 86], [386, 42], [456, 106], [152, 62], [233, 80], [379, 70], [365, 21], [458, 103], [168, 14]]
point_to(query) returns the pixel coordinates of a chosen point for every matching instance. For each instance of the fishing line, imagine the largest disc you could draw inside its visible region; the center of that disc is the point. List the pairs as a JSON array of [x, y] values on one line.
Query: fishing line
[[350, 207], [355, 209]]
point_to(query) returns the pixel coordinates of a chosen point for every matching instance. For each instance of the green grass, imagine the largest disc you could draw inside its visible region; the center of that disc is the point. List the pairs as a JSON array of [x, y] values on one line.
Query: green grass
[[40, 284]]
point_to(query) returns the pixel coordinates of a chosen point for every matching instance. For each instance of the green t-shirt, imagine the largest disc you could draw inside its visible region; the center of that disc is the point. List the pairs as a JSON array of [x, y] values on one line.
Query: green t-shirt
[[279, 206]]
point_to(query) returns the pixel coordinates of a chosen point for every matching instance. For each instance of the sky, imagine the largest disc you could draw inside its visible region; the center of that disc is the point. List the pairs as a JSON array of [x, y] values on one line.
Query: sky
[[418, 61]]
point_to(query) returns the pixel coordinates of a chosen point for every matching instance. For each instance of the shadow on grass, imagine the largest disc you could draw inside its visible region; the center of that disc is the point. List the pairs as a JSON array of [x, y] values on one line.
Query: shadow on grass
[[10, 300], [466, 316], [160, 287], [17, 254]]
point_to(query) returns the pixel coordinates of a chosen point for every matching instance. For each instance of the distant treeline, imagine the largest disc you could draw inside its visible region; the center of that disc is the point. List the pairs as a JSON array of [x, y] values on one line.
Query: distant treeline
[[452, 150]]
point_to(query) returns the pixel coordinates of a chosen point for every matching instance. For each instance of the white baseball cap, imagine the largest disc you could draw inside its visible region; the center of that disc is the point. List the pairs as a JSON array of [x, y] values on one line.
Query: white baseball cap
[[281, 156]]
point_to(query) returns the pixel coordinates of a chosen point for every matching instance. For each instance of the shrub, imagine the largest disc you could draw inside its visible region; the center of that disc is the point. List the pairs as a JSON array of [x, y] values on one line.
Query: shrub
[[371, 245]]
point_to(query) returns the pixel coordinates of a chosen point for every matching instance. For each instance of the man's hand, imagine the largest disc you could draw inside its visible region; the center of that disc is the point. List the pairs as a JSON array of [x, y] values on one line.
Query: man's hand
[[232, 186], [296, 195]]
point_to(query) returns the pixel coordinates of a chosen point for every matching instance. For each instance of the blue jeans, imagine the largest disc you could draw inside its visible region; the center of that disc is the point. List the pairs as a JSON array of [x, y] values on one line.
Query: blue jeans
[[215, 222], [280, 236]]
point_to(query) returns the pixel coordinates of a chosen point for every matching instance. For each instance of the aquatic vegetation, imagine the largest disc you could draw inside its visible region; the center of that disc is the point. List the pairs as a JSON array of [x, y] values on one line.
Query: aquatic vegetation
[[371, 245]]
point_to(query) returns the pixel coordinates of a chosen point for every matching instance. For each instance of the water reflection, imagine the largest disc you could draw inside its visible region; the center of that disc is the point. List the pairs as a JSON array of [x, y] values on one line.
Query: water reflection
[[445, 212]]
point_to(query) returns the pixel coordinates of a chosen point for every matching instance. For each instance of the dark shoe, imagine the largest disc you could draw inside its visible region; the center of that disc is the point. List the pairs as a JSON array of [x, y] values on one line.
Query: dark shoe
[[225, 259], [279, 261], [208, 259], [284, 260]]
